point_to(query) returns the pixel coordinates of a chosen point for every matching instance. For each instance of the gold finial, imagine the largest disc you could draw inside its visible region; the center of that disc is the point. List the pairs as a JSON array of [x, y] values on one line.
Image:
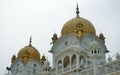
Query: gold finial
[[30, 41], [77, 11], [43, 58]]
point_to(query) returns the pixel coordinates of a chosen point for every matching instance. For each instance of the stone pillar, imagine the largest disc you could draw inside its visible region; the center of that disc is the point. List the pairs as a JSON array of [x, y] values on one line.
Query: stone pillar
[[95, 66], [77, 61], [70, 62], [105, 70], [56, 69], [77, 65], [113, 65], [87, 72], [62, 65]]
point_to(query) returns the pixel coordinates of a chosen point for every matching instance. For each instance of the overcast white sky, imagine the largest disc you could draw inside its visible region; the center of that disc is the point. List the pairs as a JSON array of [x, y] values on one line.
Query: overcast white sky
[[20, 19]]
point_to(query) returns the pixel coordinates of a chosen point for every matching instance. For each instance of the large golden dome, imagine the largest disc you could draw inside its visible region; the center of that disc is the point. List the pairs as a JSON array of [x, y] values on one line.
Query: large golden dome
[[78, 25], [28, 52]]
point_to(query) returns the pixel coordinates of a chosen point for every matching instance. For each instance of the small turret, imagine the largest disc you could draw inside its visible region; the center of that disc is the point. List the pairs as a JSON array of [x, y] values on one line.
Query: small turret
[[101, 36], [54, 38], [46, 68], [43, 59], [118, 56], [95, 56], [13, 58], [95, 49], [109, 59]]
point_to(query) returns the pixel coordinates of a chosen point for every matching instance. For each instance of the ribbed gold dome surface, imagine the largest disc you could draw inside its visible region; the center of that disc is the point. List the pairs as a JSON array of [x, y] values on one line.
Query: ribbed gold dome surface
[[78, 25], [28, 52]]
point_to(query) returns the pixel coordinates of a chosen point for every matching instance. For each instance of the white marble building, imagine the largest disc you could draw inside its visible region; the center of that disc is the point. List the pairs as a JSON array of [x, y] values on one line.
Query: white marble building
[[78, 51]]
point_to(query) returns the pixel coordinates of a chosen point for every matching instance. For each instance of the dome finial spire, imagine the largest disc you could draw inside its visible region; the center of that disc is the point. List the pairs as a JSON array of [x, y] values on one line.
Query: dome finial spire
[[30, 41], [77, 11]]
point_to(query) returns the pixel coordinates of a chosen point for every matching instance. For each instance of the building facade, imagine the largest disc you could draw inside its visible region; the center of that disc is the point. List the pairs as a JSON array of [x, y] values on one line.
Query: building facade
[[78, 51]]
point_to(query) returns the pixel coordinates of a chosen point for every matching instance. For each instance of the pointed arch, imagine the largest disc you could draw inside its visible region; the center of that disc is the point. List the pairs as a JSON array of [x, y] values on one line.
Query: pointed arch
[[59, 64], [66, 61], [73, 59], [82, 60]]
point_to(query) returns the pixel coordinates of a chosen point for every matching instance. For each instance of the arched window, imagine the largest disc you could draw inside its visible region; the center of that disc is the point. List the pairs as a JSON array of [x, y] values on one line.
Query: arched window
[[95, 51], [92, 51], [82, 60], [98, 51], [66, 61], [59, 64], [73, 59]]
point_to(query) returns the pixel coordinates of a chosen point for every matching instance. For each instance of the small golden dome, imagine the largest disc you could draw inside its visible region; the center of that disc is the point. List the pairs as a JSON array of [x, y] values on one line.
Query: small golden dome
[[28, 52], [78, 25]]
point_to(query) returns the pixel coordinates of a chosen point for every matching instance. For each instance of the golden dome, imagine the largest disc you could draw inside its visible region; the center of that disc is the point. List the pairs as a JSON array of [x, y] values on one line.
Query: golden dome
[[78, 25], [28, 52]]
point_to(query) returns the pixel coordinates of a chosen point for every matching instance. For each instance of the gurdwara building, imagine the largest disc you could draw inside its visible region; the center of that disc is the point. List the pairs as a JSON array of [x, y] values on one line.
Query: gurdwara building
[[78, 51]]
